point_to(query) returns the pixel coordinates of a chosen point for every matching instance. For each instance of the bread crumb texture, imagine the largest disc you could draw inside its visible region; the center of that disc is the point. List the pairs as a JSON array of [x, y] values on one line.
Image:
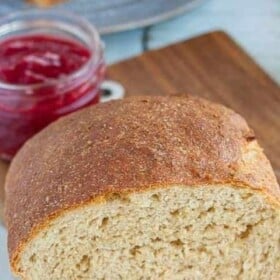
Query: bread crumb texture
[[180, 232]]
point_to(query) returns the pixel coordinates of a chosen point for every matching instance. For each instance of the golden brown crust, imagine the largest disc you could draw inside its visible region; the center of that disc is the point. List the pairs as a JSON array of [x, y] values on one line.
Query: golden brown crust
[[128, 146]]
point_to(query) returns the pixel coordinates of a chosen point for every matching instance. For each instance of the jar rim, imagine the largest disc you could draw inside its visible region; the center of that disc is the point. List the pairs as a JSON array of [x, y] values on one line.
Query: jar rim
[[95, 46]]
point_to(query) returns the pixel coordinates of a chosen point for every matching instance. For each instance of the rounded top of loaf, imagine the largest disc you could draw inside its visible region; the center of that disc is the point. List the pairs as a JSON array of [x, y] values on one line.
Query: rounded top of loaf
[[129, 146]]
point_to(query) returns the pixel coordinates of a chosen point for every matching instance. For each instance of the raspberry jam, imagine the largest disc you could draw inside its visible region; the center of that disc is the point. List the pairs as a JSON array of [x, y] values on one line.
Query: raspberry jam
[[38, 58], [43, 77]]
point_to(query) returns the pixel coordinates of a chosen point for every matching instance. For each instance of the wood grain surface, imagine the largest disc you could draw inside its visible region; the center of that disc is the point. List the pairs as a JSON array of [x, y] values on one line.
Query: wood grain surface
[[215, 67], [211, 66], [3, 171]]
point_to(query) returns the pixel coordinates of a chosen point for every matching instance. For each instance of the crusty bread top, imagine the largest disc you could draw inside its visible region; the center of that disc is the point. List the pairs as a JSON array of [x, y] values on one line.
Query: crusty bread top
[[127, 146]]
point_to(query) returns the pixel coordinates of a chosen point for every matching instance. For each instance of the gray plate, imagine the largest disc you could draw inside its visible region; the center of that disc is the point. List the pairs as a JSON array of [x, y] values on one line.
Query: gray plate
[[116, 15]]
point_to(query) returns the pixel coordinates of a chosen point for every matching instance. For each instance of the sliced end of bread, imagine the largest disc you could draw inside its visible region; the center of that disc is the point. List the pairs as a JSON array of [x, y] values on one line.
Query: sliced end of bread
[[175, 232]]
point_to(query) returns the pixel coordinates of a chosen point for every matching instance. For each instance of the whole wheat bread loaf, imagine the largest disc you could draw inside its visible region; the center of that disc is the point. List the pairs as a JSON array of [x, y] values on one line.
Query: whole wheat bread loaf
[[144, 188]]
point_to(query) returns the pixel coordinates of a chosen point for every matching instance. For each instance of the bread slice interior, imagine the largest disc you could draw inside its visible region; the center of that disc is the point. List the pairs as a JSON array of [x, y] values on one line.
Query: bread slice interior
[[171, 232]]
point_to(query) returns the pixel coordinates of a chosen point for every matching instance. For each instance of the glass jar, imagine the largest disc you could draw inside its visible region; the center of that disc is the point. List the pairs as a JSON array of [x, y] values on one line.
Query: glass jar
[[27, 107]]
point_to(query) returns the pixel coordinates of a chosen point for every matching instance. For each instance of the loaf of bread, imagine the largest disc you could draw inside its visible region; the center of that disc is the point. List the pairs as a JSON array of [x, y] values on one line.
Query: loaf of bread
[[144, 188]]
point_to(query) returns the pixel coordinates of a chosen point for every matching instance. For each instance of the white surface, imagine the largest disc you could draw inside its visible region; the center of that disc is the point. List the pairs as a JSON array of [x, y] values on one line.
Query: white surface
[[4, 265], [116, 90]]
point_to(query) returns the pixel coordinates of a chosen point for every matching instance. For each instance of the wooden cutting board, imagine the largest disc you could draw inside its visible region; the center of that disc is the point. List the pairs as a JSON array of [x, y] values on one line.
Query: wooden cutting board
[[215, 67], [212, 66]]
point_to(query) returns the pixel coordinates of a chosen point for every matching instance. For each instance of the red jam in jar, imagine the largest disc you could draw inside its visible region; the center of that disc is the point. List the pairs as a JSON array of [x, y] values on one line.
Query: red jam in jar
[[37, 58], [45, 75]]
